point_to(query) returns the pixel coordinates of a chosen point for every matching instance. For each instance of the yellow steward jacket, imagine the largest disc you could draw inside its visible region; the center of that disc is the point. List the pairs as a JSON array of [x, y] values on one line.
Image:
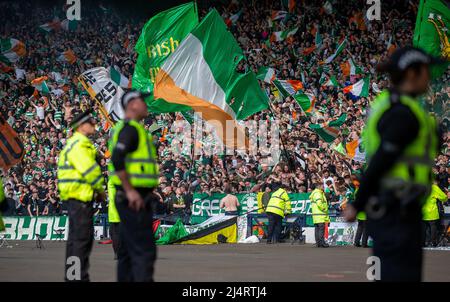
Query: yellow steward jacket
[[79, 175], [319, 206], [430, 209], [279, 203]]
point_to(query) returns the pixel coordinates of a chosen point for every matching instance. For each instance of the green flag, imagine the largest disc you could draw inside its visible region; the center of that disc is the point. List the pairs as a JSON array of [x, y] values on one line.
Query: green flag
[[431, 32], [329, 131], [160, 36]]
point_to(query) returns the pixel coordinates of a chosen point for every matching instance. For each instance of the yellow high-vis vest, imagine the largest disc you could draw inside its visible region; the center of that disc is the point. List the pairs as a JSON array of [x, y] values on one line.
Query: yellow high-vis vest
[[279, 203], [79, 175], [113, 215], [140, 165], [319, 206]]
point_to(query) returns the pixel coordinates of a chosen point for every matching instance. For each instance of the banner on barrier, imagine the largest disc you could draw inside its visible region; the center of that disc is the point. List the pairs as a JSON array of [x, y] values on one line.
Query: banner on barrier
[[207, 206], [26, 228]]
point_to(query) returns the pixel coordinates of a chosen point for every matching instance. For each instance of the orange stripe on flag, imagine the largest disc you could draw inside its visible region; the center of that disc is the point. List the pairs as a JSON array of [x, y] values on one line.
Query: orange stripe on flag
[[166, 89]]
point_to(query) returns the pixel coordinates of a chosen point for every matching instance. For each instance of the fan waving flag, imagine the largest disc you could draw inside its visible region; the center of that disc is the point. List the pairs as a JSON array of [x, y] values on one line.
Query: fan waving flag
[[282, 35], [360, 88], [119, 78], [11, 148], [306, 102], [67, 56], [288, 87], [201, 74], [329, 131], [11, 50], [431, 32], [338, 51], [266, 74], [355, 150], [278, 14], [160, 37], [40, 84]]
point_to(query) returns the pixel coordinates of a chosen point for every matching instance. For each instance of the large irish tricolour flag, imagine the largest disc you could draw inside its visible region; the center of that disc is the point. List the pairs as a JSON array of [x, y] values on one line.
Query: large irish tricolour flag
[[201, 73]]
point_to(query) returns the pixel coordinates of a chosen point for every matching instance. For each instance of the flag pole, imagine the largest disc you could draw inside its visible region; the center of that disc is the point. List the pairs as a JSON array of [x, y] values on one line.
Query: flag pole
[[291, 164]]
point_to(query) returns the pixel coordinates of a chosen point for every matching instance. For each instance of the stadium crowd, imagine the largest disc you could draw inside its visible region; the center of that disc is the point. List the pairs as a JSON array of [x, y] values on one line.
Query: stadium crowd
[[107, 38]]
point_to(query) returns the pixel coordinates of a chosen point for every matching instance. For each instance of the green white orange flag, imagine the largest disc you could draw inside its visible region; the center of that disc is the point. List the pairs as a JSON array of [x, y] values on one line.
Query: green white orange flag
[[40, 84], [201, 74], [278, 14], [67, 56], [282, 35], [11, 50], [69, 25], [355, 150], [349, 68], [360, 88], [289, 4], [332, 82], [306, 102], [338, 51], [329, 131], [119, 78], [160, 37], [266, 74], [288, 87], [50, 26]]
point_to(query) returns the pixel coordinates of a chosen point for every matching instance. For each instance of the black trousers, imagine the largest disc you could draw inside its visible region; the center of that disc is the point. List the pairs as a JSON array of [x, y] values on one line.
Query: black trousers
[[79, 241], [275, 224], [431, 232], [114, 234], [319, 233], [397, 241], [137, 250], [361, 232]]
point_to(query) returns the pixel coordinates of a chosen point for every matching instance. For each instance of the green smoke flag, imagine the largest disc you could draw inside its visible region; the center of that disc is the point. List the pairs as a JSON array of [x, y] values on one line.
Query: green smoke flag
[[431, 32], [160, 36], [329, 131]]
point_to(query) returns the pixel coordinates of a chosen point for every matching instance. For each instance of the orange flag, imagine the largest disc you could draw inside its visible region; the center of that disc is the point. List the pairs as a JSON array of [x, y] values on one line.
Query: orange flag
[[11, 148]]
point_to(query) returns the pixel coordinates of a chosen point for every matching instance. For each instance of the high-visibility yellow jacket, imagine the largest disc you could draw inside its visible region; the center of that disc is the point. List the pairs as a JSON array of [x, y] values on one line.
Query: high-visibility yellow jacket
[[319, 206], [113, 215], [79, 175], [140, 165], [2, 199], [430, 209], [279, 203]]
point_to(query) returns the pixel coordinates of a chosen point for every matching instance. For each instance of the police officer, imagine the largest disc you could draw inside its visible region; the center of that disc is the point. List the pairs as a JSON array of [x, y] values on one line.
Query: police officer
[[279, 205], [80, 180], [401, 143], [361, 230], [134, 172], [319, 211], [431, 217], [113, 218]]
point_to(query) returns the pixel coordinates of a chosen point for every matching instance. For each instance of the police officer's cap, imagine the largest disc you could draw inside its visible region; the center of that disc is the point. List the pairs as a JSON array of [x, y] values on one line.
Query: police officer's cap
[[83, 117], [131, 95], [405, 57]]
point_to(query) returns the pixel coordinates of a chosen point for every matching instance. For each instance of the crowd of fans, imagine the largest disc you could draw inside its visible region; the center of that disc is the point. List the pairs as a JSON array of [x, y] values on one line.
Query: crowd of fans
[[107, 38]]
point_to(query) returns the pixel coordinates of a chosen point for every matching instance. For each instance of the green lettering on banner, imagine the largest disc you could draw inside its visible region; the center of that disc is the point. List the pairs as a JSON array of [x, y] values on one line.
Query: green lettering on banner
[[206, 206]]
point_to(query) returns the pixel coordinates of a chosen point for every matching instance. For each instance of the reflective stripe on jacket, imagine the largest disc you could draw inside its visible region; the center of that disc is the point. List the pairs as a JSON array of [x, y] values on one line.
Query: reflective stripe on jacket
[[79, 175], [279, 203], [319, 206]]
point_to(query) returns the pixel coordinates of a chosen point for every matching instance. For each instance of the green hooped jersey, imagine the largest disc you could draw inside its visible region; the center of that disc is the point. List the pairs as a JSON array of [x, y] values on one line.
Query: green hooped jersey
[[415, 164], [140, 165]]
